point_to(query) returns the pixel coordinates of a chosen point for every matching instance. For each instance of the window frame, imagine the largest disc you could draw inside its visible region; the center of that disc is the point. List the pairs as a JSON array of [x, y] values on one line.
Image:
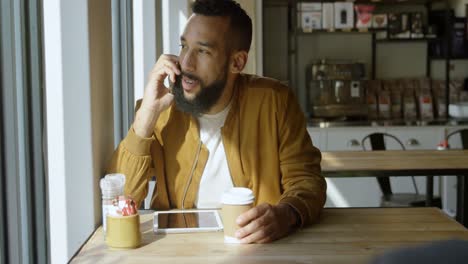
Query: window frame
[[23, 222], [123, 62]]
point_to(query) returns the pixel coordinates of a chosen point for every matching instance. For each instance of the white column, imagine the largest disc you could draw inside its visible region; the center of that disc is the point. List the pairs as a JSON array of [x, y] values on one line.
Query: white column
[[77, 144], [259, 36], [175, 14], [144, 42]]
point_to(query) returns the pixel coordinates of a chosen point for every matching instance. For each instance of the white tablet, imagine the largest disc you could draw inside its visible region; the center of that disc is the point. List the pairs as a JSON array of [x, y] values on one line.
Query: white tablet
[[183, 221]]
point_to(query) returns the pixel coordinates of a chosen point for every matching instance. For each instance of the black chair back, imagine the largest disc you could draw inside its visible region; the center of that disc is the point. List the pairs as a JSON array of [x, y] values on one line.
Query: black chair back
[[463, 135], [377, 142]]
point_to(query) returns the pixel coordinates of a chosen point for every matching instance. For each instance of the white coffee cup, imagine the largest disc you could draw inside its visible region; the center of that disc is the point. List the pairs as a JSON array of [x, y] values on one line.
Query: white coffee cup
[[235, 201]]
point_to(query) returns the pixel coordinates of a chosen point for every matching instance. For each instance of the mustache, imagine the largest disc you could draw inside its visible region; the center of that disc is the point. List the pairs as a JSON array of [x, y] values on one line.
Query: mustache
[[189, 75]]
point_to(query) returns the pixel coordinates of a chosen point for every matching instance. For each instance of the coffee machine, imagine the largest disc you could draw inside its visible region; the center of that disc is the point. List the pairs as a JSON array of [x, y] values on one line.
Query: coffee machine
[[336, 89]]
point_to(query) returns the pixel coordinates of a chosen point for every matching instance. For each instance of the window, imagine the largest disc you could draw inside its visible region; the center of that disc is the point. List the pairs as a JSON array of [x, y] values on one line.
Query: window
[[23, 226]]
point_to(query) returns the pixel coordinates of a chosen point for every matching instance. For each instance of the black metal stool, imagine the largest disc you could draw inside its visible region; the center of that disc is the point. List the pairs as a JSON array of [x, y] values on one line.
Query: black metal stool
[[462, 182]]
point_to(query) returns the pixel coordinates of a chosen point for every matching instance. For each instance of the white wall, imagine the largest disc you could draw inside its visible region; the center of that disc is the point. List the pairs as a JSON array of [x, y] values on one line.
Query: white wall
[[459, 7], [258, 29], [79, 127], [254, 10]]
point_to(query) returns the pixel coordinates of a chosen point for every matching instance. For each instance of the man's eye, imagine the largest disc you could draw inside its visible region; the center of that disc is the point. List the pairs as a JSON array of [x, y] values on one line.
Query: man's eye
[[202, 51], [182, 46]]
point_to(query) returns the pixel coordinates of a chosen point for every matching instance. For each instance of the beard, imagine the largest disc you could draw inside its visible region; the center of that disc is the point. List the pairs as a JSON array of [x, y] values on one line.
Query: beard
[[206, 98]]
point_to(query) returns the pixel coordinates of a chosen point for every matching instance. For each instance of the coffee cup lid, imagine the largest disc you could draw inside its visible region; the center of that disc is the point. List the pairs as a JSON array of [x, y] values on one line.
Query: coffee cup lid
[[238, 195]]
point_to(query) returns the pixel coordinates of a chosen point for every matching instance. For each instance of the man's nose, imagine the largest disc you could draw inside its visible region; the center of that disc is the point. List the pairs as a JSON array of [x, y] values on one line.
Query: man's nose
[[188, 61]]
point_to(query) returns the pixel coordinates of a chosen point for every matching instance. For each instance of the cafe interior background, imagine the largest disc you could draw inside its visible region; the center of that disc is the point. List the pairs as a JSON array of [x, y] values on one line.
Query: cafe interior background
[[72, 70]]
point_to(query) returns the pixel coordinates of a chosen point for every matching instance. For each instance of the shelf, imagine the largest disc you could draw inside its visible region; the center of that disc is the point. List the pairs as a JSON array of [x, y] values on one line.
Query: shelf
[[372, 35], [415, 40], [338, 31], [377, 2], [370, 31], [398, 2], [321, 122], [316, 32], [452, 58]]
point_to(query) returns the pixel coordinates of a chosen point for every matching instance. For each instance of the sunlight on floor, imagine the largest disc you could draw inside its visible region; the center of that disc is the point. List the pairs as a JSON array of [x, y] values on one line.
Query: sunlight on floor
[[335, 196]]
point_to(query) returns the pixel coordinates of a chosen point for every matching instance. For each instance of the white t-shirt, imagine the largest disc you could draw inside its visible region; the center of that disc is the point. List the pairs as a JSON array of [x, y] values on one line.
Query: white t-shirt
[[216, 178]]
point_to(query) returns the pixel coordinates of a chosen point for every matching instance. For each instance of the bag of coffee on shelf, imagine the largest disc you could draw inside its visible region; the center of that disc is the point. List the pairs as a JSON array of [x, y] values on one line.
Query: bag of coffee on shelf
[[328, 18], [396, 99], [438, 92], [309, 16], [344, 15], [379, 21], [409, 101], [456, 86], [371, 98], [417, 25], [398, 25], [394, 25], [363, 15], [423, 92], [405, 25], [384, 103]]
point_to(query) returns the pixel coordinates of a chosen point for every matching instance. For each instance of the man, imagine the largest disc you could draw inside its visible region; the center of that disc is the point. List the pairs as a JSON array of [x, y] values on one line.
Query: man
[[220, 128]]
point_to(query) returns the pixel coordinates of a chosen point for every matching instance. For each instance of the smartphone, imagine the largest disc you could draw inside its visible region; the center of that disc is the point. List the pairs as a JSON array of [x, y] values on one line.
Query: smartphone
[[184, 221]]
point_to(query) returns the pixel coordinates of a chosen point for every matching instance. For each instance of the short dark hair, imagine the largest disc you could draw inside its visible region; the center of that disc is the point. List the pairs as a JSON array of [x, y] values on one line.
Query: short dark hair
[[240, 24]]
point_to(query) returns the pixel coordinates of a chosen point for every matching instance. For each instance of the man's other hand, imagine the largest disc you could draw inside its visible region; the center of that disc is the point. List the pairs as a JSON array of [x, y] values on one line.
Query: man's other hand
[[265, 223]]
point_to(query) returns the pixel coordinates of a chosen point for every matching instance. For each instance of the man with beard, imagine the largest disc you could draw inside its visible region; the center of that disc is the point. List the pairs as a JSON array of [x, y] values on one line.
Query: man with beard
[[220, 128]]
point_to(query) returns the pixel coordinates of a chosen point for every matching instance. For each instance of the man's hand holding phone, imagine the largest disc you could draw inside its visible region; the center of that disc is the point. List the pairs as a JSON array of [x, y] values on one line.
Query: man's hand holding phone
[[157, 96]]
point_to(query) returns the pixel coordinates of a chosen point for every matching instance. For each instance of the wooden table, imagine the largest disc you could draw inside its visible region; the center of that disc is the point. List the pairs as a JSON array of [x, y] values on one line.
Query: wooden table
[[344, 235], [403, 163]]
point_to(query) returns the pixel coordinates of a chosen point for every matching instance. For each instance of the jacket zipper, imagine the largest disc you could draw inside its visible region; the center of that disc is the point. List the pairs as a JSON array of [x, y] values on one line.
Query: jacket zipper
[[191, 173]]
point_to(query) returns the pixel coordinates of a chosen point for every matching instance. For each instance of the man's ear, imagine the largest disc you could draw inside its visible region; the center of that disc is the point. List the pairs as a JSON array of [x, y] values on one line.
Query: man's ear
[[238, 61]]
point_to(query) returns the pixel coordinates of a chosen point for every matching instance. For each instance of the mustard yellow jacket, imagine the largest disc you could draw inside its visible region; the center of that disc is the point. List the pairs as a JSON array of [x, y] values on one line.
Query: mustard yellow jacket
[[267, 148]]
